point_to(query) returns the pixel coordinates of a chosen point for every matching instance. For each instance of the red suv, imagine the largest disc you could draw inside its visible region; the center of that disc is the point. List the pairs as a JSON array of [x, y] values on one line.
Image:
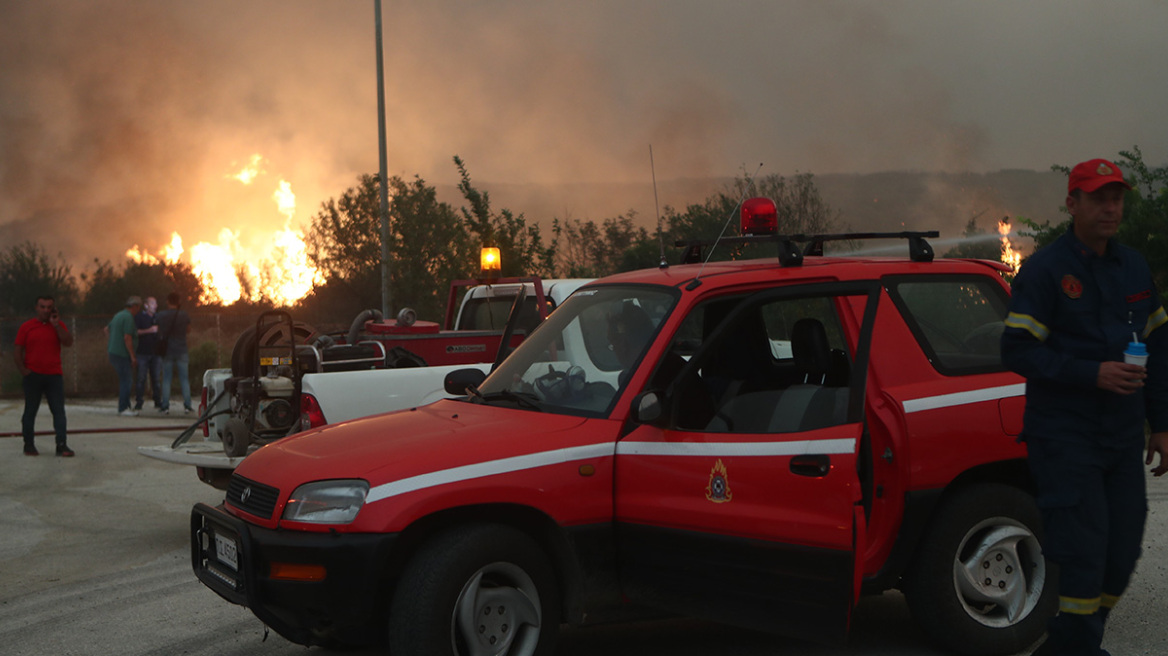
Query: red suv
[[753, 442]]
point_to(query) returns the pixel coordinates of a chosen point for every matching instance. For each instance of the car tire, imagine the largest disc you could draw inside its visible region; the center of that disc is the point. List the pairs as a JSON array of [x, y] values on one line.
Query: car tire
[[486, 583], [980, 585]]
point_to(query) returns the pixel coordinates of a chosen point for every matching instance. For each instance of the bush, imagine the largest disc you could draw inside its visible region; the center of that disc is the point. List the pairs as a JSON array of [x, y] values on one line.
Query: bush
[[202, 357]]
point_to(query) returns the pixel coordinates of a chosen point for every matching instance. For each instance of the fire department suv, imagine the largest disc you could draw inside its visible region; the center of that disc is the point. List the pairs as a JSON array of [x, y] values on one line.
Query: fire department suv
[[753, 442]]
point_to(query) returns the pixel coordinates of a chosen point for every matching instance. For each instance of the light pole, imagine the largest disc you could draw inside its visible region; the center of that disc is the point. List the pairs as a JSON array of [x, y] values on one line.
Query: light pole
[[385, 296]]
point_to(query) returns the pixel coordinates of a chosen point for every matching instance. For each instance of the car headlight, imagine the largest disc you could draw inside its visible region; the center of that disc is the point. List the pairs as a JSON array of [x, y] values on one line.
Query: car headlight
[[327, 502]]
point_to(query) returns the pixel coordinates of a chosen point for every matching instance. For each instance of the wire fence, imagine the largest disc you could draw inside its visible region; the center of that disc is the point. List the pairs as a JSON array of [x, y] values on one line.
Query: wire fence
[[86, 366]]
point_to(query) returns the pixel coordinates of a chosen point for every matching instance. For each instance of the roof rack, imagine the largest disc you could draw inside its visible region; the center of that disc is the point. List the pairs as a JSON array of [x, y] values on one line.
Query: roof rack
[[790, 255]]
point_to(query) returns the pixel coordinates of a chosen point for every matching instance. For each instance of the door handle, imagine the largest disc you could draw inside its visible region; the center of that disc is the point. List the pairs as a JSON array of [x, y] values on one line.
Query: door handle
[[815, 466]]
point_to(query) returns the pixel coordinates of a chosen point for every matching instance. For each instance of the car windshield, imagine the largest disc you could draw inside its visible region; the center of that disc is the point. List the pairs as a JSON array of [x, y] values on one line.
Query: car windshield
[[580, 359]]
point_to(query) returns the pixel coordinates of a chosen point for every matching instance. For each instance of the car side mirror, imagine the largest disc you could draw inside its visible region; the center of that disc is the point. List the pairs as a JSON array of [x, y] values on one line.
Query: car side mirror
[[456, 382], [647, 408]]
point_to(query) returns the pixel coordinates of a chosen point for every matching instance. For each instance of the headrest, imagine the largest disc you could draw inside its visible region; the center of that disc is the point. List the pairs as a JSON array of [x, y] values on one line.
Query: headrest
[[810, 349]]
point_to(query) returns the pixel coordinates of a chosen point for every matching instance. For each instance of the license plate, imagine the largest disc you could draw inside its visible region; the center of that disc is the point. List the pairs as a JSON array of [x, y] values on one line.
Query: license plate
[[226, 551]]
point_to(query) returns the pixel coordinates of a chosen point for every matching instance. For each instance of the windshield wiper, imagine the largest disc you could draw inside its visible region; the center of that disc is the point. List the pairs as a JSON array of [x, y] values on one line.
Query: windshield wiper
[[524, 399]]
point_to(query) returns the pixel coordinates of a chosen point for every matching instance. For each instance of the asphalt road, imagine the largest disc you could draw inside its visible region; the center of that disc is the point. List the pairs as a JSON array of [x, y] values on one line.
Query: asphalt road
[[94, 560]]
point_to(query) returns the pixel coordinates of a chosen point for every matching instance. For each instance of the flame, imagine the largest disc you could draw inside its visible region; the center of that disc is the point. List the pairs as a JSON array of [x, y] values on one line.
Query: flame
[[250, 171], [1009, 255], [276, 268], [174, 250], [140, 256], [169, 254], [285, 199], [214, 265], [289, 276]]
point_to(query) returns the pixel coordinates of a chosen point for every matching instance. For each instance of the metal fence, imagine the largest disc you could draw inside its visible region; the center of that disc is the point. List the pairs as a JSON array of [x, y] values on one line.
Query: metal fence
[[86, 365]]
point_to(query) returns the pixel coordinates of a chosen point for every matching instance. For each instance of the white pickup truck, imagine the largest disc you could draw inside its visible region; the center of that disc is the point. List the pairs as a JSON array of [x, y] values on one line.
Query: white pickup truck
[[382, 366]]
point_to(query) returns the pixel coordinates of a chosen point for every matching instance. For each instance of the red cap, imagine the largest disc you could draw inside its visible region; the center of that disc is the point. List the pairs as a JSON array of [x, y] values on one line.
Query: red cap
[[1093, 174]]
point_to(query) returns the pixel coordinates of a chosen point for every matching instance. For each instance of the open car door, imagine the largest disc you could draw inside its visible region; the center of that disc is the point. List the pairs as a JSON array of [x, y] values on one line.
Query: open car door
[[749, 482]]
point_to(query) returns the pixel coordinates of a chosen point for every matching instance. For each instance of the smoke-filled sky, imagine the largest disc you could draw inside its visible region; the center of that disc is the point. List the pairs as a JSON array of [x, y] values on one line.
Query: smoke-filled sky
[[121, 120]]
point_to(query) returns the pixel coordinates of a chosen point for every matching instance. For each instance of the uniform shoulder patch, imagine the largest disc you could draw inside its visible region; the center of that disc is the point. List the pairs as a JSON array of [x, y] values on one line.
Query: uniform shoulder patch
[[1072, 287]]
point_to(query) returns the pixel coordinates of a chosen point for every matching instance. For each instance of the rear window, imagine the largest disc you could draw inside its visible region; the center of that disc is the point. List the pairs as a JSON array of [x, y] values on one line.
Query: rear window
[[490, 313], [957, 320]]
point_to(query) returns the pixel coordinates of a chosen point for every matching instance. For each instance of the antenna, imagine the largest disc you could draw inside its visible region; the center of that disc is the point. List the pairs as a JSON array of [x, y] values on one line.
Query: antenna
[[745, 190], [657, 207]]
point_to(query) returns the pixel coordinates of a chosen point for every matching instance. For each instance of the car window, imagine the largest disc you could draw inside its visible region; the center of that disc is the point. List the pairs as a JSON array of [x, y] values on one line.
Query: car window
[[579, 360], [774, 366], [956, 320], [490, 313]]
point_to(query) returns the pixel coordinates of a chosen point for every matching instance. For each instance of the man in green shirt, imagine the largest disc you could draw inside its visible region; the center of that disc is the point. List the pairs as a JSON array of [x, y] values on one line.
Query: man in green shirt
[[123, 342]]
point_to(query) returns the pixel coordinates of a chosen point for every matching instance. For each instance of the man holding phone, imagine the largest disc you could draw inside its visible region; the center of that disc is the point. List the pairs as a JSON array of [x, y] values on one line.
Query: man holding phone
[[38, 358]]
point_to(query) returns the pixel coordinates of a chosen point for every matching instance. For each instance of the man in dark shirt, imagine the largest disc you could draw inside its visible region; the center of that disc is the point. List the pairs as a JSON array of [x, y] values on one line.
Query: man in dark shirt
[[173, 324], [1076, 304], [149, 364]]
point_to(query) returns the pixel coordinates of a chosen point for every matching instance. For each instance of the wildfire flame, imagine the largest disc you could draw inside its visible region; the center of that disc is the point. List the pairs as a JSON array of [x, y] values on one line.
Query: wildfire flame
[[1009, 255], [277, 269], [251, 170]]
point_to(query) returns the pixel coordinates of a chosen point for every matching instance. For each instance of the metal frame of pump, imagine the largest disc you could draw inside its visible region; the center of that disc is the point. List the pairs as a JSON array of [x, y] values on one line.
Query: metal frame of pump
[[264, 406]]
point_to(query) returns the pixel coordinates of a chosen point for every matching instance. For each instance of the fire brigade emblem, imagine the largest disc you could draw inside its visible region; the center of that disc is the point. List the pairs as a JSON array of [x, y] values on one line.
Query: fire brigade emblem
[[1072, 287], [718, 490], [1104, 170]]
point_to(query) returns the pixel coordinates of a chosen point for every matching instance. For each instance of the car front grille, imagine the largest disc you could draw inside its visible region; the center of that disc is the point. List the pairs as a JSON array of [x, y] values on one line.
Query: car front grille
[[254, 498]]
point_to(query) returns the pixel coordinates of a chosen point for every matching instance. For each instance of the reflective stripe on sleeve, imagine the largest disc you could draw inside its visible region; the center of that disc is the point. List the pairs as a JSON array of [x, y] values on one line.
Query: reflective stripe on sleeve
[[1108, 601], [1078, 606], [1158, 318], [1029, 324]]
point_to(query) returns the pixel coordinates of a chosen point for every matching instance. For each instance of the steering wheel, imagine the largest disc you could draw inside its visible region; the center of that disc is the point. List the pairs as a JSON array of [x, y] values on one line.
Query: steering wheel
[[561, 385]]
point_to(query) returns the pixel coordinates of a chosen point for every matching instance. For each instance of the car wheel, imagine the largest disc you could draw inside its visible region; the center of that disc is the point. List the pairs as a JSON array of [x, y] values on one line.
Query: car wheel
[[980, 585], [473, 591]]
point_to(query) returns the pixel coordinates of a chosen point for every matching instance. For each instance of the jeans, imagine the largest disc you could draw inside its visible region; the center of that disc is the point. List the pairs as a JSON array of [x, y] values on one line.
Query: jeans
[[125, 379], [52, 386], [169, 364], [148, 365]]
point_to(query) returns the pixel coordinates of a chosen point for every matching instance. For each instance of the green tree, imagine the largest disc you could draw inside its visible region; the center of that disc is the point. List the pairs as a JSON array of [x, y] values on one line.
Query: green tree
[[26, 272], [584, 249], [520, 245], [428, 248], [1145, 213], [800, 210], [109, 287]]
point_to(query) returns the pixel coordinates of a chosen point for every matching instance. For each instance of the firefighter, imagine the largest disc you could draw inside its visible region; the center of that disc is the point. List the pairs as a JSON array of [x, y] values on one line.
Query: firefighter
[[1076, 305]]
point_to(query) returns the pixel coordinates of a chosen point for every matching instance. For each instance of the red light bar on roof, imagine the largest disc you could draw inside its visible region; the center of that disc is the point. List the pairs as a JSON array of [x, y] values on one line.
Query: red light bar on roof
[[759, 216]]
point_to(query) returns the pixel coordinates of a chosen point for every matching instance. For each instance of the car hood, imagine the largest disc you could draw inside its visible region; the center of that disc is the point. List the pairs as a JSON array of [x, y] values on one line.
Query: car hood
[[396, 445]]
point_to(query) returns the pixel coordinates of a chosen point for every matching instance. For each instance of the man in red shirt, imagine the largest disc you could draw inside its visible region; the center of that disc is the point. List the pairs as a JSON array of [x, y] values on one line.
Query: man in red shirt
[[38, 358]]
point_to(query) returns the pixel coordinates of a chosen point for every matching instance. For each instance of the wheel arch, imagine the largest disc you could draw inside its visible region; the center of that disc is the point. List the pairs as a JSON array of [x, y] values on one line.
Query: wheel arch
[[922, 508], [985, 520], [540, 527]]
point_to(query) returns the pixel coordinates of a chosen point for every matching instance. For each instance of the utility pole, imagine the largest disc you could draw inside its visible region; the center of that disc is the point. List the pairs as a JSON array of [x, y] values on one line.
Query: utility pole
[[385, 295]]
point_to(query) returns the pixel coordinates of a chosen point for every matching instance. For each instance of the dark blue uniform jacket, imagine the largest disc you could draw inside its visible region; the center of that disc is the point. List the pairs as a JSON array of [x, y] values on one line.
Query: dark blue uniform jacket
[[1070, 310]]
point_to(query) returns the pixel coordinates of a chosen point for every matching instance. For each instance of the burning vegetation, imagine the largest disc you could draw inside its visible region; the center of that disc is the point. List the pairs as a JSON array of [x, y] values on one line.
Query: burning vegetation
[[1009, 254], [275, 268]]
